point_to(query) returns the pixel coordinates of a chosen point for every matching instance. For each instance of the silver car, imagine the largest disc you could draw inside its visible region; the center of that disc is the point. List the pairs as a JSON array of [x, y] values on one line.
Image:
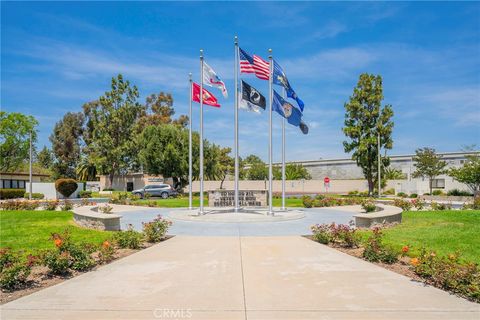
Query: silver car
[[156, 190]]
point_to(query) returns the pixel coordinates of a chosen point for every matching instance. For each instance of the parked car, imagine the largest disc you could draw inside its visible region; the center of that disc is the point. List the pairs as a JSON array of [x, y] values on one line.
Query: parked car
[[156, 190]]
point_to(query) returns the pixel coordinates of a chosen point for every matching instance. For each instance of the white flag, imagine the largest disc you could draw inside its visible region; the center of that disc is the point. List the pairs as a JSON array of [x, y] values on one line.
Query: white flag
[[211, 79]]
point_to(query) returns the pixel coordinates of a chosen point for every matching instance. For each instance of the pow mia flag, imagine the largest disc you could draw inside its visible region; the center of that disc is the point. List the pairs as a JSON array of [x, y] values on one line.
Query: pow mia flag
[[251, 99]]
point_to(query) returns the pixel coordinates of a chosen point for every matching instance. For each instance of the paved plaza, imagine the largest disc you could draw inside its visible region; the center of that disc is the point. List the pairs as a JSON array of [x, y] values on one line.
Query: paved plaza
[[283, 277]]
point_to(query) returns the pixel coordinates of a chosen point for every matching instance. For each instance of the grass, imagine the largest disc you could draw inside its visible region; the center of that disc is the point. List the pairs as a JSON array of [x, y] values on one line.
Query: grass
[[30, 231], [180, 202], [444, 232]]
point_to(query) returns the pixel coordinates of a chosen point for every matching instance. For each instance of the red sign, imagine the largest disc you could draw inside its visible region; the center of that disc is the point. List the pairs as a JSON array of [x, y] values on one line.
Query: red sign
[[326, 180]]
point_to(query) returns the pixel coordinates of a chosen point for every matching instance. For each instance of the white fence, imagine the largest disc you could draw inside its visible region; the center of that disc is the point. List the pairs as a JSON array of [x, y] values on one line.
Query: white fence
[[48, 189]]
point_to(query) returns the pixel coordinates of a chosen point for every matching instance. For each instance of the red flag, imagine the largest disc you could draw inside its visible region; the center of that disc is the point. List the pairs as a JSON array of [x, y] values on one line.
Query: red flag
[[208, 98]]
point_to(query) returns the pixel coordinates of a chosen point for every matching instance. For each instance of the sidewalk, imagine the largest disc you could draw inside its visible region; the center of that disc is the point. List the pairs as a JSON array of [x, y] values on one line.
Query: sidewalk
[[240, 278]]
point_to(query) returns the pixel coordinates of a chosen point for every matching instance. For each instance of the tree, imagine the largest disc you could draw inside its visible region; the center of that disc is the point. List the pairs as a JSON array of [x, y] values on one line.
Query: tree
[[86, 171], [15, 131], [393, 174], [365, 118], [159, 110], [164, 151], [110, 128], [293, 171], [45, 158], [66, 139], [469, 173], [428, 165], [226, 164], [255, 168]]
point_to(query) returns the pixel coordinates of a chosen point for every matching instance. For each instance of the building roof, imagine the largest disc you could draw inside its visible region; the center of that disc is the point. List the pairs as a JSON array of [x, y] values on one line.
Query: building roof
[[23, 174], [445, 155]]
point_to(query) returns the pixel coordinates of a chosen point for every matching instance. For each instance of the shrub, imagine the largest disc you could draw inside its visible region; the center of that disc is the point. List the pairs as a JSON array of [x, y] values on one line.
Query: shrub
[[404, 204], [130, 238], [390, 191], [418, 203], [319, 197], [14, 275], [85, 194], [459, 193], [7, 258], [276, 195], [368, 206], [35, 195], [105, 209], [156, 230], [402, 194], [437, 193], [353, 193], [56, 261], [376, 251], [107, 252], [321, 233], [413, 196], [67, 205], [435, 206], [66, 187], [81, 256], [449, 273], [307, 201], [19, 205], [11, 193], [340, 234], [51, 205]]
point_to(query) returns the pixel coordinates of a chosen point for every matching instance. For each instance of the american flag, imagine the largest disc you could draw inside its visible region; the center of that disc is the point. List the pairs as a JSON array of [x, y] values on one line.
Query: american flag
[[256, 65]]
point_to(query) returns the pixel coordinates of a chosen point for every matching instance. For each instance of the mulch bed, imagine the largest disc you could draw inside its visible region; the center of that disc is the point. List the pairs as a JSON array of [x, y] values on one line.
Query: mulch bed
[[40, 278]]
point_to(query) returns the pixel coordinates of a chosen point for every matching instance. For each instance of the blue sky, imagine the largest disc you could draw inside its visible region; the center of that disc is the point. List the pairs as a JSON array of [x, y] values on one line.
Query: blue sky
[[57, 56]]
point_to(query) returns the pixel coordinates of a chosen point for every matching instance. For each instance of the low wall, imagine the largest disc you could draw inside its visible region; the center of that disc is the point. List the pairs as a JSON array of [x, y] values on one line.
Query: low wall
[[88, 218], [48, 189], [387, 214]]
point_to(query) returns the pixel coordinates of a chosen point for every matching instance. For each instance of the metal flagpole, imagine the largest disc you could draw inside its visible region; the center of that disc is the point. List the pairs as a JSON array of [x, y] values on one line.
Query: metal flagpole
[[237, 208], [201, 132], [379, 165], [190, 146], [283, 157], [30, 169], [270, 154]]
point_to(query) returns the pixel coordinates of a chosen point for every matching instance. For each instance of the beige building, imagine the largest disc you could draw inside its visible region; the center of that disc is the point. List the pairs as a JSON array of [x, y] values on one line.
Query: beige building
[[131, 181], [19, 180]]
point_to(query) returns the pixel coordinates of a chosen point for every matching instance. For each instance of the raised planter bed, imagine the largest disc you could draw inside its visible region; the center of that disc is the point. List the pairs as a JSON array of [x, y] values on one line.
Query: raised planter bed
[[88, 217], [385, 214]]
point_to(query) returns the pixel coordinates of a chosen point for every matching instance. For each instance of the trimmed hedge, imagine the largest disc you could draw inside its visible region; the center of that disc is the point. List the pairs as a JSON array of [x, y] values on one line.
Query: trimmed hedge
[[66, 187], [35, 195], [11, 193]]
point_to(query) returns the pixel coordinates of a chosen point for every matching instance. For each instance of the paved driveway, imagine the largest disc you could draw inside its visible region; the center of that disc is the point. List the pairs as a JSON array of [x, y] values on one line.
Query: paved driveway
[[279, 228], [240, 278]]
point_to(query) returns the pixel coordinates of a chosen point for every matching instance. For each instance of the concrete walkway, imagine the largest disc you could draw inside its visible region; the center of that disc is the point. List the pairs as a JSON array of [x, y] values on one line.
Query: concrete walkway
[[240, 278]]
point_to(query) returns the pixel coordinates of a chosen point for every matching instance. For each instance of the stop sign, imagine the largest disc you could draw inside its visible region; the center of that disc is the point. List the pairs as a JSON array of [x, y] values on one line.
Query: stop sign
[[326, 180]]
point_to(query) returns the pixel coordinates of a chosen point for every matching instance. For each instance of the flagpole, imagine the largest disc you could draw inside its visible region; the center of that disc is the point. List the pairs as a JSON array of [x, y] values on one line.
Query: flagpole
[[201, 133], [237, 208], [283, 157], [190, 146], [270, 154]]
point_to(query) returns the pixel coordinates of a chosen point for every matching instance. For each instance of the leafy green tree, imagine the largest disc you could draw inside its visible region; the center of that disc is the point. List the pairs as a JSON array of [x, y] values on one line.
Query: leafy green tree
[[86, 171], [393, 174], [428, 164], [159, 110], [15, 131], [225, 165], [255, 168], [293, 171], [164, 151], [365, 118], [469, 173], [45, 158], [111, 120], [66, 144]]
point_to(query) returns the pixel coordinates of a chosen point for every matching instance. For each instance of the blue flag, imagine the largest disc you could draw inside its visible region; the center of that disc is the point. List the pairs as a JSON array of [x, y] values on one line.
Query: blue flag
[[280, 78], [289, 112]]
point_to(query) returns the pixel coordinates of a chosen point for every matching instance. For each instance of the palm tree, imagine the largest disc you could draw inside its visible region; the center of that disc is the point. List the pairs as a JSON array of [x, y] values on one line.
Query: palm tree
[[86, 172]]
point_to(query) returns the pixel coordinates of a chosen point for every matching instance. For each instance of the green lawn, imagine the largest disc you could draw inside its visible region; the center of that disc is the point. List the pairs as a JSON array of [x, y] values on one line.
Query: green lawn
[[442, 231], [31, 230], [183, 202]]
